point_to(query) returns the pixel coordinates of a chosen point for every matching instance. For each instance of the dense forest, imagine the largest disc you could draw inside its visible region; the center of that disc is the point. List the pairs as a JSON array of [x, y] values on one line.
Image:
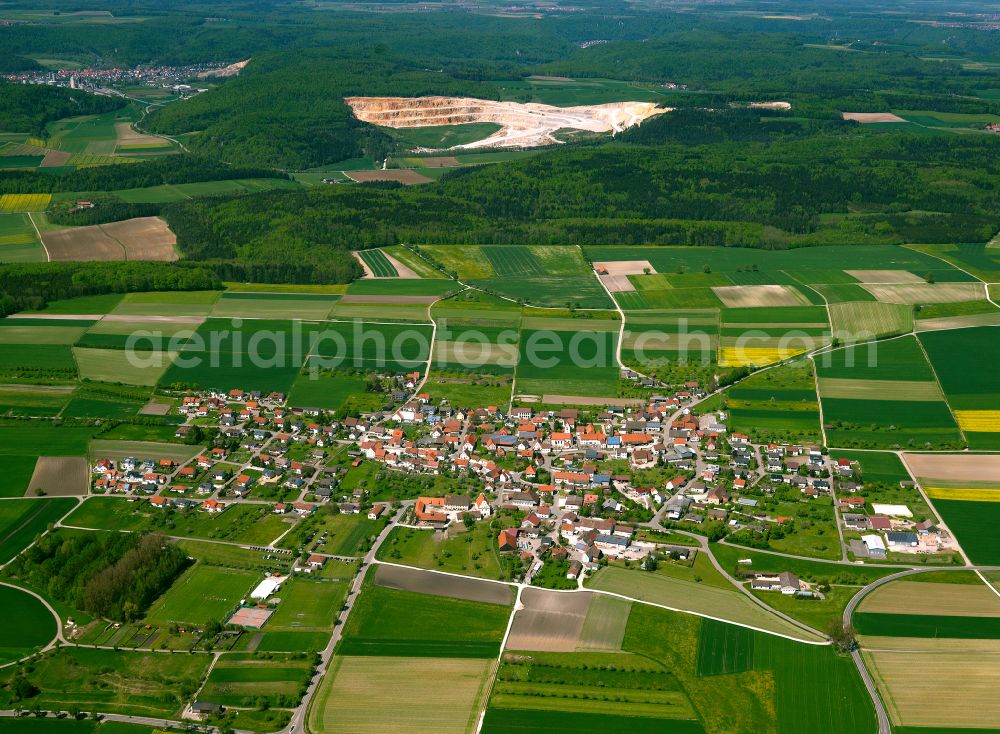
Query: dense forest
[[29, 108], [32, 285], [751, 188], [166, 170], [110, 575]]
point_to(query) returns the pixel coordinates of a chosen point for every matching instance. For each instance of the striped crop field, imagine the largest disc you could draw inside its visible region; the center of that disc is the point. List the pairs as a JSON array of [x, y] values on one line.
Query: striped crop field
[[979, 421], [24, 202], [378, 263]]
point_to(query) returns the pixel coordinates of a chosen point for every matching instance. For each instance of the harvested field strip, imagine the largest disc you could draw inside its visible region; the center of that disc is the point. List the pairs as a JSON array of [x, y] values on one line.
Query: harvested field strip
[[927, 625], [979, 421], [834, 387], [965, 494], [926, 292], [625, 701], [439, 584], [960, 694], [884, 276], [695, 598], [959, 600], [958, 322], [401, 695]]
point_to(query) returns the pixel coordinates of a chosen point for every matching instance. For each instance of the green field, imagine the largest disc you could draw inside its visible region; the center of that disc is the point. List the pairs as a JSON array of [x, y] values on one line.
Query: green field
[[926, 625], [973, 523], [387, 622], [778, 404], [876, 466], [471, 553], [28, 627], [22, 520], [201, 595], [307, 306], [308, 605], [251, 680], [378, 263], [18, 240], [567, 363]]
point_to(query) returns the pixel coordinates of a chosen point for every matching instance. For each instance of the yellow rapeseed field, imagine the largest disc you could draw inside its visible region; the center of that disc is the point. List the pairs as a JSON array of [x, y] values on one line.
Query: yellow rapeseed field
[[969, 494], [755, 356], [979, 421], [24, 202]]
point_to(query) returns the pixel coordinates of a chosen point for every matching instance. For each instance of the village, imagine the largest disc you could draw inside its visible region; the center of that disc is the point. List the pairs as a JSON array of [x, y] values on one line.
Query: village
[[565, 491]]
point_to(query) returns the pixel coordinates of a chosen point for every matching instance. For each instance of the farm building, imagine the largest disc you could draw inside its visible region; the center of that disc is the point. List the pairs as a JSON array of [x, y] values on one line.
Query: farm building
[[268, 586]]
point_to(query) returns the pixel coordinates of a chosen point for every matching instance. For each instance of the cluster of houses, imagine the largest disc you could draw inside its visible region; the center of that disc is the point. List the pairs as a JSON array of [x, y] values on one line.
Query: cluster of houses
[[890, 528]]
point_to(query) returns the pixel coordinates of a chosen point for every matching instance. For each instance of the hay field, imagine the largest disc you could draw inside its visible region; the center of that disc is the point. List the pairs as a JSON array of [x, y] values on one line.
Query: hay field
[[694, 597], [374, 695], [758, 296], [549, 621], [60, 476], [931, 468], [455, 587], [907, 390], [909, 597], [911, 294], [938, 689]]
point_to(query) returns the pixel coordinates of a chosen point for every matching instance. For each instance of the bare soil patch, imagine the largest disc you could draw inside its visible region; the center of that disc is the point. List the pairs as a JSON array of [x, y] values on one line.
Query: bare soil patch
[[402, 175], [144, 238], [82, 244], [402, 270], [59, 476], [752, 296], [617, 283], [155, 408], [626, 267], [128, 136], [954, 467], [54, 158], [454, 587], [441, 161], [866, 118], [550, 621]]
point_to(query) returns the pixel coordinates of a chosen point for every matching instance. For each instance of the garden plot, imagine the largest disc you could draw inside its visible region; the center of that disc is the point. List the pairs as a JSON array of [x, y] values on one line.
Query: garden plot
[[549, 621], [758, 296]]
